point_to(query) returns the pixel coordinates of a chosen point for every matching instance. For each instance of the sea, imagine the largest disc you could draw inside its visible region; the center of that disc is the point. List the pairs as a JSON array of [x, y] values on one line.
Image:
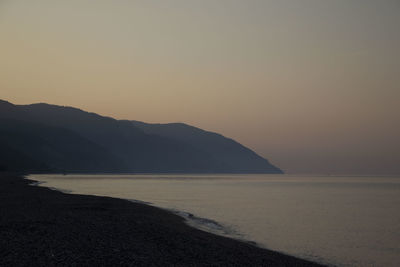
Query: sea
[[334, 220]]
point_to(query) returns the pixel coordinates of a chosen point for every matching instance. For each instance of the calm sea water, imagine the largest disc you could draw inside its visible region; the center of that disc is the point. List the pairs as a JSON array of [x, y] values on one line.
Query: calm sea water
[[344, 221]]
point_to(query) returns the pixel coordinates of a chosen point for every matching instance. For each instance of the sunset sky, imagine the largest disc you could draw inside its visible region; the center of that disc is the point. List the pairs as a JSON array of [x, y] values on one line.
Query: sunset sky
[[314, 86]]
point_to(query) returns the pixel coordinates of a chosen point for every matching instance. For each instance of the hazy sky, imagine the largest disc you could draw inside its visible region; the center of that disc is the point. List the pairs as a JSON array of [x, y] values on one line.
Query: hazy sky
[[314, 86]]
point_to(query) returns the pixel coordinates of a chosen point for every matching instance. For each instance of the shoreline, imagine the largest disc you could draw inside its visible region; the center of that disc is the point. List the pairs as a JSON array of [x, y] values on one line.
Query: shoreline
[[42, 226], [190, 219]]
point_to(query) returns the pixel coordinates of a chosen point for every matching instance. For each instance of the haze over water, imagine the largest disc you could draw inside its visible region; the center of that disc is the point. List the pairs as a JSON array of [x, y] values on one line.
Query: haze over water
[[339, 220]]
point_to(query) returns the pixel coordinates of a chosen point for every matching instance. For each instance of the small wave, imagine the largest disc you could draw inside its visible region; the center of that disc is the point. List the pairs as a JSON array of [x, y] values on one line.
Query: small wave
[[203, 222], [211, 226], [36, 183], [60, 190], [140, 202]]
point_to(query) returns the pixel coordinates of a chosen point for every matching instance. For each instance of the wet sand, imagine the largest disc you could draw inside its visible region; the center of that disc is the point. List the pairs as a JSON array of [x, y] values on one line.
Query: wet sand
[[43, 227]]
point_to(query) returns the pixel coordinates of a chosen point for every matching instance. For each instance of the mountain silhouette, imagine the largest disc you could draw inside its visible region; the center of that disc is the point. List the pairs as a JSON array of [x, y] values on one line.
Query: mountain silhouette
[[50, 138], [236, 157]]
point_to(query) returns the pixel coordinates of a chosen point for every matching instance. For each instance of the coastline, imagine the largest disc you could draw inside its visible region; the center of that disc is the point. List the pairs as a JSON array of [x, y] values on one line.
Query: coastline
[[200, 223], [41, 226]]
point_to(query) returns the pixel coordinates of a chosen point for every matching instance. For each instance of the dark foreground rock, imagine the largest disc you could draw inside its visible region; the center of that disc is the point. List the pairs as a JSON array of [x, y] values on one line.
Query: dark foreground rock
[[43, 227]]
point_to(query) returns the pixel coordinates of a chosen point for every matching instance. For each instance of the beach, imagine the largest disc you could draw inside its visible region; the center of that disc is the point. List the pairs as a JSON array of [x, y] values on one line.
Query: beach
[[44, 227]]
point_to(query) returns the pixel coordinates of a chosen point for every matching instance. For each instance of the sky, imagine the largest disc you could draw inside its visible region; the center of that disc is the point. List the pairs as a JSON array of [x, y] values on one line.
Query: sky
[[314, 86]]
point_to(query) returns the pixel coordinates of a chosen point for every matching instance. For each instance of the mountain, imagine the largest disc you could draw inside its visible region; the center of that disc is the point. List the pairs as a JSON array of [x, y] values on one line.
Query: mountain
[[236, 157], [43, 137]]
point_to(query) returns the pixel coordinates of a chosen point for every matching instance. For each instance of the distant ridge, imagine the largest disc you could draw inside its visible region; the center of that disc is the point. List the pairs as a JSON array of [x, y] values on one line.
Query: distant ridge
[[50, 138], [237, 157]]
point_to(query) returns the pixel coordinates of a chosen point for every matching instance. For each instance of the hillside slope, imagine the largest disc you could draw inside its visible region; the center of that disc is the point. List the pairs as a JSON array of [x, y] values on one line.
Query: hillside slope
[[236, 157], [66, 139]]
